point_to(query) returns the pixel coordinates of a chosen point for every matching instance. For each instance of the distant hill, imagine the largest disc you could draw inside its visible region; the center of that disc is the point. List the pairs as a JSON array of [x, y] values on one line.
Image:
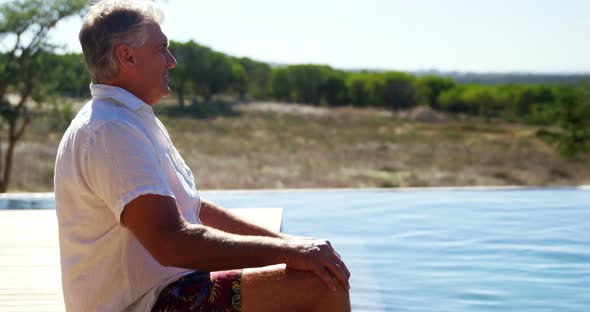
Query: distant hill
[[509, 78], [489, 78]]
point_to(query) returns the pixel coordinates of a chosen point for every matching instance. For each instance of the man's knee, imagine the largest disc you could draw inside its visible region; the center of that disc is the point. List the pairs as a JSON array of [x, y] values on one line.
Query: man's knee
[[319, 297], [290, 290], [336, 300]]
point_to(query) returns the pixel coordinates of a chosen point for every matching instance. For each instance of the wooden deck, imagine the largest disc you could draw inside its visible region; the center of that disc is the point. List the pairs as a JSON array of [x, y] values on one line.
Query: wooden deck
[[30, 278]]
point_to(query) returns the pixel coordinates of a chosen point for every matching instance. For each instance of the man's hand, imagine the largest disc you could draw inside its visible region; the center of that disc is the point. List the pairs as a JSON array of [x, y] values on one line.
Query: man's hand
[[158, 224], [319, 257]]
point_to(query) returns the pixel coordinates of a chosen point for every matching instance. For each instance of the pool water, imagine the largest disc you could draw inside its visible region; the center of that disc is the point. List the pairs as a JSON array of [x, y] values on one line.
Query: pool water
[[440, 249], [448, 250]]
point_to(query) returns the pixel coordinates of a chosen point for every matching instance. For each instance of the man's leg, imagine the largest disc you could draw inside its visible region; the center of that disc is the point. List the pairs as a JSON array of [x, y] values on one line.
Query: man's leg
[[276, 288]]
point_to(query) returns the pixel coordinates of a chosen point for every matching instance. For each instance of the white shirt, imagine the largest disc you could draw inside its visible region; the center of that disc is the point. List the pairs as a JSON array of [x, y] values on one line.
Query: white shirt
[[114, 150]]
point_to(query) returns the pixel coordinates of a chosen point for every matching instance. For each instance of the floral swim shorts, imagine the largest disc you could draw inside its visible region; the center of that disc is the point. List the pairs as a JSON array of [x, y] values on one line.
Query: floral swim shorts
[[202, 291]]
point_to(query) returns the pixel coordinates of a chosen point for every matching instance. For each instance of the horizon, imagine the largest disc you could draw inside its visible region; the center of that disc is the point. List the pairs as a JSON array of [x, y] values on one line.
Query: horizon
[[488, 37]]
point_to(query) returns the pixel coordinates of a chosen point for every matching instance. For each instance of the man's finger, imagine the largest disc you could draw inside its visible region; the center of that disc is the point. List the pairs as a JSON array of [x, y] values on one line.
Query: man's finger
[[339, 273], [325, 276], [342, 265], [332, 248]]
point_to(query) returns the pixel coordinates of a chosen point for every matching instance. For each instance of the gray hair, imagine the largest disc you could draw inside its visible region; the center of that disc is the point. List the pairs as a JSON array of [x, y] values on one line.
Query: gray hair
[[110, 23]]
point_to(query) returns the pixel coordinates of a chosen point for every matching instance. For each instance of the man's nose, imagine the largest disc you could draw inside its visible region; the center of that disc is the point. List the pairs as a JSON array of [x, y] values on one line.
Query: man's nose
[[171, 60]]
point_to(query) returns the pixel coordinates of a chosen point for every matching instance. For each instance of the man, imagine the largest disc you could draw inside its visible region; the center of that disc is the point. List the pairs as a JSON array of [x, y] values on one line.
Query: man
[[134, 233]]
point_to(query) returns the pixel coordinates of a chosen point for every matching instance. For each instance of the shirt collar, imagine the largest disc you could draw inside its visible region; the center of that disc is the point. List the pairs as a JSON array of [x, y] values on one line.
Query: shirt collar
[[120, 95]]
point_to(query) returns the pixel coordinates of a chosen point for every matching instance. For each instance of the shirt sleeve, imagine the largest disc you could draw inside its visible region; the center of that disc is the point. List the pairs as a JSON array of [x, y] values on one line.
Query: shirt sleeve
[[122, 164]]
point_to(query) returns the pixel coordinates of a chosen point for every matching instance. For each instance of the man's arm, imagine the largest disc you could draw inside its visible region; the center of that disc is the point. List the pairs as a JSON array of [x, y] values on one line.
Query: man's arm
[[159, 226]]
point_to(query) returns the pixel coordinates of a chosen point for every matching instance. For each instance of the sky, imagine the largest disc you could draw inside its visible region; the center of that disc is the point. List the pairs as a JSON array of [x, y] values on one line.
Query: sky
[[538, 36]]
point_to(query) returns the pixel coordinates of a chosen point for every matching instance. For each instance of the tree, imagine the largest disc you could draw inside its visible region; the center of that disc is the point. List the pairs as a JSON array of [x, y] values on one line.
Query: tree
[[334, 91], [204, 72], [399, 90], [365, 89], [523, 100], [481, 100], [24, 25], [220, 75], [433, 86], [258, 77], [240, 80], [573, 116], [306, 82], [180, 75], [358, 92], [281, 84], [452, 101]]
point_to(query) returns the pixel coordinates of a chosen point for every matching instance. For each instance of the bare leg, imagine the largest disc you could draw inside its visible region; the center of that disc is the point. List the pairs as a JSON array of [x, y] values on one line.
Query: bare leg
[[276, 288]]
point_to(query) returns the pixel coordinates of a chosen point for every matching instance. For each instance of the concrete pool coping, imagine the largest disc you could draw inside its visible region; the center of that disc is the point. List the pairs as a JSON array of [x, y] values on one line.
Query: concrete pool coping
[[50, 195]]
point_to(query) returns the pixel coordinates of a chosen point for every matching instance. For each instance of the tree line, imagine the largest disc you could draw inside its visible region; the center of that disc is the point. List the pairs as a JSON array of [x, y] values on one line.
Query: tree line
[[202, 73]]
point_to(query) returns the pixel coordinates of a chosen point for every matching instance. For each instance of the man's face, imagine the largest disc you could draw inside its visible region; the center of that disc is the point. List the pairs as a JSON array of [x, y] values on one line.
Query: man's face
[[154, 59]]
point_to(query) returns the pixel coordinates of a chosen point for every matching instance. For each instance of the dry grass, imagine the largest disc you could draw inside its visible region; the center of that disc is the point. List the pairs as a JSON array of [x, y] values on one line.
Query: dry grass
[[266, 146]]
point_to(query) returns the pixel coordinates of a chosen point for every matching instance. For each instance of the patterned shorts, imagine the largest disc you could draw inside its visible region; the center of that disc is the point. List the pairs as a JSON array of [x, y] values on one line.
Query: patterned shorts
[[202, 291]]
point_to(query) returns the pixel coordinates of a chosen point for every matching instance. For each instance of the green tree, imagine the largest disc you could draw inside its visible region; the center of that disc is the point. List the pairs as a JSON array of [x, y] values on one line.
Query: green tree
[[452, 101], [204, 72], [281, 84], [217, 76], [258, 76], [399, 90], [24, 26], [476, 100], [334, 91], [572, 115], [215, 73], [365, 89], [185, 54], [306, 82], [65, 74], [523, 100], [356, 84], [433, 86], [481, 100], [238, 82]]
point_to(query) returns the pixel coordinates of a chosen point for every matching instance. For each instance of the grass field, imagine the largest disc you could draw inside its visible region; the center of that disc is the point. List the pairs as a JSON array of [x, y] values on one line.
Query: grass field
[[268, 145]]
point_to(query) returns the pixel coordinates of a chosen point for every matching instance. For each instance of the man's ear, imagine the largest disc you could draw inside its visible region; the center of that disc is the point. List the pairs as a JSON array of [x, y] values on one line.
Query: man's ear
[[125, 55]]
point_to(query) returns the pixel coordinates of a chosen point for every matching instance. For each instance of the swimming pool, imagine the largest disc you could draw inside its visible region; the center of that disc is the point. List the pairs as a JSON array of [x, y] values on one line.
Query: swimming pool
[[445, 250], [448, 250]]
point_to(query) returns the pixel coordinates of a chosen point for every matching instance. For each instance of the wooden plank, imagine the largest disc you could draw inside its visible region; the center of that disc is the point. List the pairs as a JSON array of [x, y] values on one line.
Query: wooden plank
[[270, 218], [30, 278]]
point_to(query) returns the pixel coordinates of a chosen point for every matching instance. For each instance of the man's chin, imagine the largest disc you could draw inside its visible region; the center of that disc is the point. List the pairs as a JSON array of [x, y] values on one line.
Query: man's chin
[[166, 91]]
